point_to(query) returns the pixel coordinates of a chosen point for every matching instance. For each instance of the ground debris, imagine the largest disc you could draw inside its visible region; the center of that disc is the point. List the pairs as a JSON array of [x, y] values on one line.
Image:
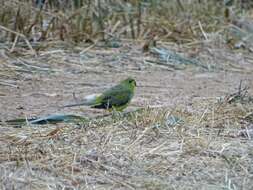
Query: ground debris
[[241, 95], [174, 59]]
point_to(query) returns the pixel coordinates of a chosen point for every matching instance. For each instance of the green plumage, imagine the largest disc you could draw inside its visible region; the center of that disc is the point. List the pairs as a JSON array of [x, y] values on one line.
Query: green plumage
[[117, 97]]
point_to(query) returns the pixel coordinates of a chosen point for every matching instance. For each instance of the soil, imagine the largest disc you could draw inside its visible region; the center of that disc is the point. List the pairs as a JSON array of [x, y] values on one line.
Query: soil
[[42, 93]]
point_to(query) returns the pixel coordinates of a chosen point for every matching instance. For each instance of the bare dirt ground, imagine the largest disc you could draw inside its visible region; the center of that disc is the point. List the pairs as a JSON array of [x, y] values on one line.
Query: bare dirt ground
[[125, 154], [60, 74]]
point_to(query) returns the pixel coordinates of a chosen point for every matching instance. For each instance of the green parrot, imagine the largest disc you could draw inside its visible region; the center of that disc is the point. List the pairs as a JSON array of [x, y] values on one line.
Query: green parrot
[[117, 97]]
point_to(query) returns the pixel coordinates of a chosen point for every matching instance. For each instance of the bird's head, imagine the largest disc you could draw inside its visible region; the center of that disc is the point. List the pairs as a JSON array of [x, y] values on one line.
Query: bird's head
[[130, 82]]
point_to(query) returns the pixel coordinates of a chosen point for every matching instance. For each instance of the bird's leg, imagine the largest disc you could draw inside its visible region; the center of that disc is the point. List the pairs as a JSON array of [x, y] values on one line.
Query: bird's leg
[[108, 104], [116, 114]]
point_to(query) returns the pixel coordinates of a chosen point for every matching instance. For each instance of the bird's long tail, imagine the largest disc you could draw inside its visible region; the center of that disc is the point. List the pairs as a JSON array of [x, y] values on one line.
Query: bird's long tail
[[89, 100]]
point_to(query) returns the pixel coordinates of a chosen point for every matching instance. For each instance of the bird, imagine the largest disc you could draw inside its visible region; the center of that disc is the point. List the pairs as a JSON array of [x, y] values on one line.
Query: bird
[[115, 98]]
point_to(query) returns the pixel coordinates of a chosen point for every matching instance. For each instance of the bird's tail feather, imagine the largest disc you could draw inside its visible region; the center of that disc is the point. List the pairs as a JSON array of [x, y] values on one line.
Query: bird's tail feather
[[89, 100], [77, 104]]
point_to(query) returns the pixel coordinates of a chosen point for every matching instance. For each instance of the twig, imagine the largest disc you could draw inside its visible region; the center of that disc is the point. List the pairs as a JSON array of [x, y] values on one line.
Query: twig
[[88, 48], [202, 30], [22, 36], [8, 84], [14, 44]]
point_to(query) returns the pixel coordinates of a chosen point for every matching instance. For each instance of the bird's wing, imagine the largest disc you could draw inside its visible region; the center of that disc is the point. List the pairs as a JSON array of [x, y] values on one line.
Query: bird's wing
[[116, 96]]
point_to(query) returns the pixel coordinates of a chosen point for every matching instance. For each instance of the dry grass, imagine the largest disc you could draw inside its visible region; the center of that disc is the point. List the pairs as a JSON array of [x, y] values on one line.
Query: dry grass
[[138, 151], [87, 20], [193, 129], [210, 149]]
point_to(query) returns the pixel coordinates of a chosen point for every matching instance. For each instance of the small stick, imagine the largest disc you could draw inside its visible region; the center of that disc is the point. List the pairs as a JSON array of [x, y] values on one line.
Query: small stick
[[202, 30], [21, 35], [14, 44]]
